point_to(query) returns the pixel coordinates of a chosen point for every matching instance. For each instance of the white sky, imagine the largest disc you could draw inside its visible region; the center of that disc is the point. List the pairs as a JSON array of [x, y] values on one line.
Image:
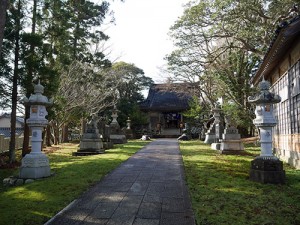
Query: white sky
[[140, 35]]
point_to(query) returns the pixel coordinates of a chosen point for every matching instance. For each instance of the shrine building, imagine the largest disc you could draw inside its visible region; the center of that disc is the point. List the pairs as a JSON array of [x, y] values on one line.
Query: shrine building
[[164, 105]]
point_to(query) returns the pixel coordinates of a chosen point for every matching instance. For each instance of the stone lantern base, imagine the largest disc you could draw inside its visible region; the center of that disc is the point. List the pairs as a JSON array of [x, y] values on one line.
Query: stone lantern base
[[90, 146], [267, 170], [129, 134], [118, 138], [210, 138], [231, 147], [34, 166]]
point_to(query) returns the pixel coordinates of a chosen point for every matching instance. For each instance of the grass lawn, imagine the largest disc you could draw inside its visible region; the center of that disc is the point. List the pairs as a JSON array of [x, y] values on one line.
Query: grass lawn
[[35, 203], [222, 193]]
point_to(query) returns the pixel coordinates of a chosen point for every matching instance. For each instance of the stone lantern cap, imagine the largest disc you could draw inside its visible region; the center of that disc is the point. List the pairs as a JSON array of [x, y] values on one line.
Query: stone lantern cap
[[115, 110], [216, 108], [264, 96], [37, 98]]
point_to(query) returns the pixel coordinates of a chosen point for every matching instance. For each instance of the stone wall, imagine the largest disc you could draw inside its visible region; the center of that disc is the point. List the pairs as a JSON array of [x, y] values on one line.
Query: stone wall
[[5, 122], [4, 143]]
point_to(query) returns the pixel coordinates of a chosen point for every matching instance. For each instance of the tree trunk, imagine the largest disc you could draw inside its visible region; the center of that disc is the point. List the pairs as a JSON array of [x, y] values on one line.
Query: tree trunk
[[55, 132], [43, 139], [48, 136], [29, 86], [25, 147], [83, 126], [3, 8], [14, 98], [65, 131]]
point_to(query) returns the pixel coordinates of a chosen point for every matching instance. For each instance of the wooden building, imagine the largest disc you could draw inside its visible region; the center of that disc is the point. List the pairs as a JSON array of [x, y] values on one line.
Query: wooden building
[[281, 67], [5, 125], [164, 105]]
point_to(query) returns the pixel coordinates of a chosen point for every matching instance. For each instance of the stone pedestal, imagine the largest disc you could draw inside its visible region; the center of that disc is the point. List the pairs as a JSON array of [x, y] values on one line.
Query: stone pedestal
[[89, 145], [215, 146], [210, 135], [209, 138], [116, 136], [267, 170], [107, 143], [129, 134], [35, 166], [231, 142], [91, 141]]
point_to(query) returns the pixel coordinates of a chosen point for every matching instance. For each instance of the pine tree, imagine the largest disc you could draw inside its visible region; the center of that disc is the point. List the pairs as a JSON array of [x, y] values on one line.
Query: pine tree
[[3, 8]]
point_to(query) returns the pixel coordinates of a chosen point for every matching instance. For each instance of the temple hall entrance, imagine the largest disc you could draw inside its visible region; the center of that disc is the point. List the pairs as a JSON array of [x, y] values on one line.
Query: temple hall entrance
[[172, 120]]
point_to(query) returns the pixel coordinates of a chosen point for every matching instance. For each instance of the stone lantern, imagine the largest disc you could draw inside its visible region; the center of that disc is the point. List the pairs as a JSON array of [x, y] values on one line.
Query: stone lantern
[[266, 168], [128, 123], [117, 136], [114, 115], [219, 128], [36, 164]]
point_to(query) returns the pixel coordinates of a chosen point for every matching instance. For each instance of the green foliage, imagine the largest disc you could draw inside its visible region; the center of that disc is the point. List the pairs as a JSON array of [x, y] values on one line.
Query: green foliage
[[131, 109], [241, 118], [37, 202], [220, 43], [222, 193], [195, 109], [132, 81], [234, 75]]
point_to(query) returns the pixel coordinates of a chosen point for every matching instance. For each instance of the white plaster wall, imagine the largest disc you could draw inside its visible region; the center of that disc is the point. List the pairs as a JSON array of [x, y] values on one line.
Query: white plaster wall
[[5, 122]]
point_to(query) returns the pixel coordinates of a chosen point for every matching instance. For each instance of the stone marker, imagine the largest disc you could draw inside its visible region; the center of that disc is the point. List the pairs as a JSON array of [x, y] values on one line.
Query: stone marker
[[210, 135], [231, 139], [91, 141], [219, 128], [116, 135], [128, 130], [203, 131], [266, 168], [104, 130], [36, 164]]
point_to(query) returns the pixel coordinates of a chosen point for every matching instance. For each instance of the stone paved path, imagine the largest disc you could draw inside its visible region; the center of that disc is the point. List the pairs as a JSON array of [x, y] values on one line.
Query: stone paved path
[[148, 189]]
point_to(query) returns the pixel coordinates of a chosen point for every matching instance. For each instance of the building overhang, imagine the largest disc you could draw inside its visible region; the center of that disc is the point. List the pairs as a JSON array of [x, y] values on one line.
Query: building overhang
[[286, 34]]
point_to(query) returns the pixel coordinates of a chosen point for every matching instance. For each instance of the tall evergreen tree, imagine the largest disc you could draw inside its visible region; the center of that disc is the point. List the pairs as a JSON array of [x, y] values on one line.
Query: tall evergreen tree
[[3, 8], [17, 14]]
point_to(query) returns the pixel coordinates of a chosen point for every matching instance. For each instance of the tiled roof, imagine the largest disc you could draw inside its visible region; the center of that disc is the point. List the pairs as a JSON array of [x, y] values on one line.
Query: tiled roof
[[6, 131], [285, 34], [166, 98], [18, 118]]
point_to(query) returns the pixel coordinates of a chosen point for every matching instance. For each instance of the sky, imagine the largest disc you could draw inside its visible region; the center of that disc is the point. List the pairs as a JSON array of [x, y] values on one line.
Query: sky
[[140, 34]]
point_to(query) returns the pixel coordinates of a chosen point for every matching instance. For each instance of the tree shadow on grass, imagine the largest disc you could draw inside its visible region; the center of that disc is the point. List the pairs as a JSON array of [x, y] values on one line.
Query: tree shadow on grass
[[223, 194], [37, 202]]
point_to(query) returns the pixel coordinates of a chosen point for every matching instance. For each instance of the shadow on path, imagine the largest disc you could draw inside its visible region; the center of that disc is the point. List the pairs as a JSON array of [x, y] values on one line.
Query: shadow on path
[[148, 189]]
